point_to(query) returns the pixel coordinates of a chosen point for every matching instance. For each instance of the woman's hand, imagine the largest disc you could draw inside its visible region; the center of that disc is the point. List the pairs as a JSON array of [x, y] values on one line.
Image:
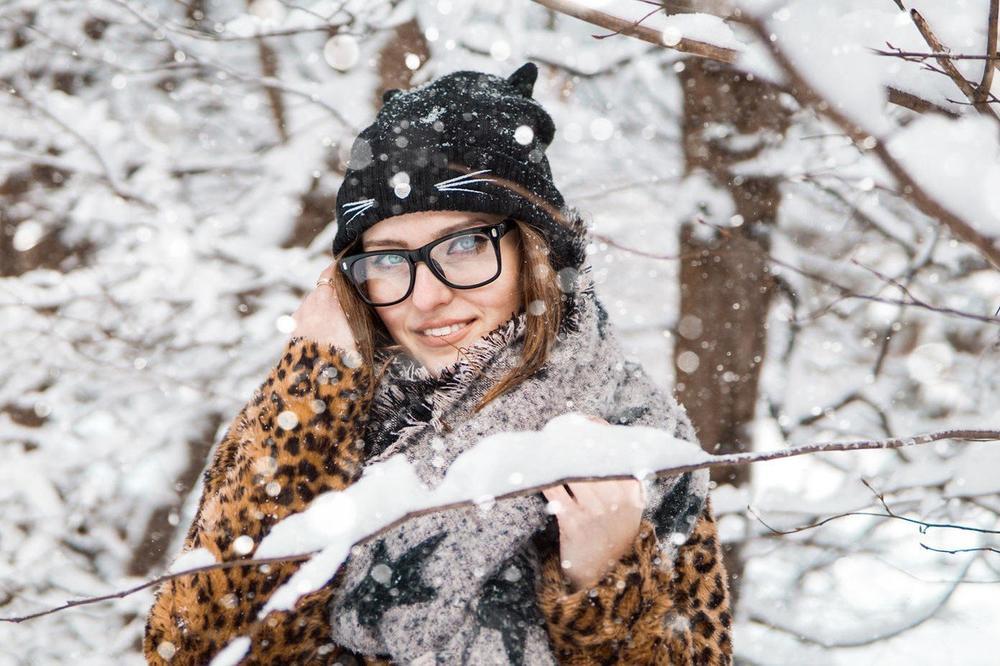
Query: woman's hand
[[321, 318], [598, 522]]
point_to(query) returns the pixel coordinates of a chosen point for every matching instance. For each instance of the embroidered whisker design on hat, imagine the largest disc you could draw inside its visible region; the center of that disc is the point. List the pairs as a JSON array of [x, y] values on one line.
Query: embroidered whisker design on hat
[[357, 207], [451, 184]]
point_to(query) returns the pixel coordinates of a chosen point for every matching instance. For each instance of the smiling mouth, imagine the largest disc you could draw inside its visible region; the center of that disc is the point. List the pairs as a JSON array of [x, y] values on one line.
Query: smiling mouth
[[445, 332]]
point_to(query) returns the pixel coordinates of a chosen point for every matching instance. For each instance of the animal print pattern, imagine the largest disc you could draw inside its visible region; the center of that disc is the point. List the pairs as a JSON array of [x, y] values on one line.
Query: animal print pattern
[[645, 610], [298, 437]]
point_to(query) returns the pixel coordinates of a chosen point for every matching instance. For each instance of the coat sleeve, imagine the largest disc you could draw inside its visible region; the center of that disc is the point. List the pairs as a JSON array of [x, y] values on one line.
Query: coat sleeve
[[645, 610], [298, 436]]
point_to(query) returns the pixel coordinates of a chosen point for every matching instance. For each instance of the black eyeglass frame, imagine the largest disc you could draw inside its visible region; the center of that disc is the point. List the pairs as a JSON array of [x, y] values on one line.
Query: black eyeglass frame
[[493, 231]]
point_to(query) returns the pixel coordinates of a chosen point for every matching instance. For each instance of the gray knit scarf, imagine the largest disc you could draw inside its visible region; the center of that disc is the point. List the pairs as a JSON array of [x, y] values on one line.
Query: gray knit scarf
[[458, 587]]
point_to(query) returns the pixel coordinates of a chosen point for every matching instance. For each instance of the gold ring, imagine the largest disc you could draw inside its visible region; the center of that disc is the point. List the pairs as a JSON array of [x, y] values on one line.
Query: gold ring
[[320, 282]]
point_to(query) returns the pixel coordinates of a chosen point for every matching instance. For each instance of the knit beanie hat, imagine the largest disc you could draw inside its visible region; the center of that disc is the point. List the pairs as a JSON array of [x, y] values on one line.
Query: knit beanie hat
[[467, 141]]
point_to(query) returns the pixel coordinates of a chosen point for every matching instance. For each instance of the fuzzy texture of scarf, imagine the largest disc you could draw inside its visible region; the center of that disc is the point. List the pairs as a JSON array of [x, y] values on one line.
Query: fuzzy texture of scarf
[[459, 586]]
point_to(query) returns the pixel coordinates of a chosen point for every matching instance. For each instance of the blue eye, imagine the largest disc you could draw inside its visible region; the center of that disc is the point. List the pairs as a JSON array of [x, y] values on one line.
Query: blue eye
[[471, 243], [388, 260]]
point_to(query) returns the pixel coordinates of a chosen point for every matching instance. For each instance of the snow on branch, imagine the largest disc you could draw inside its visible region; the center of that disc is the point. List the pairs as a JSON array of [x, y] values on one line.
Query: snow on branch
[[669, 36], [569, 448]]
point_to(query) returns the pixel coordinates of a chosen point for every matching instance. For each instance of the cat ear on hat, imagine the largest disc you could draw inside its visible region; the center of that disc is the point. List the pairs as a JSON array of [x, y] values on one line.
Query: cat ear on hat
[[524, 78]]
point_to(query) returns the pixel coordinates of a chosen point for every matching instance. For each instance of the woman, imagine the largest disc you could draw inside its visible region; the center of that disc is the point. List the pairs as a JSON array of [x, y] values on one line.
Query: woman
[[459, 305]]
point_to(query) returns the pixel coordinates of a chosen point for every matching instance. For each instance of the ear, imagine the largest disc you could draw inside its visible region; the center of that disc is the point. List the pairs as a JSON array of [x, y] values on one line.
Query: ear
[[389, 94], [524, 78]]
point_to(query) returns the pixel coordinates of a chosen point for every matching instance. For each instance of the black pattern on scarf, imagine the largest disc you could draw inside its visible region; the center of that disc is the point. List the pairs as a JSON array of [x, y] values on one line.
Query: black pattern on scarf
[[372, 598], [508, 605], [679, 509]]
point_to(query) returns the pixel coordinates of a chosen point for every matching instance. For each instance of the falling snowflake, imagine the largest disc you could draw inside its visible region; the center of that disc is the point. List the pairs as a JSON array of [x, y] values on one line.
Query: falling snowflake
[[288, 420], [242, 545]]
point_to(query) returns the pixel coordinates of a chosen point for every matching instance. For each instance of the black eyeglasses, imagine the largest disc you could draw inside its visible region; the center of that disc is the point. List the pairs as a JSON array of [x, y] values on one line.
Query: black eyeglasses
[[465, 259]]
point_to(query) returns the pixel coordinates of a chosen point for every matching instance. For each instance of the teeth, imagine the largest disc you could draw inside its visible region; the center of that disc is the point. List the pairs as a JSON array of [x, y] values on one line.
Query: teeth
[[444, 330]]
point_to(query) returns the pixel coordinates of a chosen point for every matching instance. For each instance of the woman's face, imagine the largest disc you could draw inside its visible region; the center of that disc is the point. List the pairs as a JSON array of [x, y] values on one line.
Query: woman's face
[[433, 304]]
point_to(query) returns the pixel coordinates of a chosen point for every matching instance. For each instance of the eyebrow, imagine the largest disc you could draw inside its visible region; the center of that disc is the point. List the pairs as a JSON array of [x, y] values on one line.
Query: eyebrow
[[392, 242]]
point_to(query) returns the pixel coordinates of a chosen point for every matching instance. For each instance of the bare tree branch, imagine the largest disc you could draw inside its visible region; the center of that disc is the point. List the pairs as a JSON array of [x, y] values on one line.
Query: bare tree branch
[[894, 52], [948, 66], [918, 104], [924, 525], [109, 174]]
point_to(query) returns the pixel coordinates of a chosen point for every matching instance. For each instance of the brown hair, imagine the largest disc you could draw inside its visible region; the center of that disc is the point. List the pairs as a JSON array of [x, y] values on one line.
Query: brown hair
[[540, 295]]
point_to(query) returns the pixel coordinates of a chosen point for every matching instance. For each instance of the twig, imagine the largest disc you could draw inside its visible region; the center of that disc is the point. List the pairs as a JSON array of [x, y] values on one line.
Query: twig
[[713, 461], [959, 550], [947, 65], [231, 564], [924, 525], [914, 103], [983, 91], [894, 52]]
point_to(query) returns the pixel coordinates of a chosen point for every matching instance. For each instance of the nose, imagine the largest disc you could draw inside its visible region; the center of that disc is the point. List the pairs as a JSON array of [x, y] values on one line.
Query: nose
[[428, 291]]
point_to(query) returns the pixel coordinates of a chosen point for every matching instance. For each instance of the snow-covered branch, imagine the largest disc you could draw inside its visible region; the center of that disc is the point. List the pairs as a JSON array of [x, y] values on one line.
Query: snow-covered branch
[[568, 449], [636, 29]]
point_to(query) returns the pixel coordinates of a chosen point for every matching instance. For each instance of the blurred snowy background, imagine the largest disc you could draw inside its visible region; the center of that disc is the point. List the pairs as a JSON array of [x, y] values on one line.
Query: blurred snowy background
[[168, 171]]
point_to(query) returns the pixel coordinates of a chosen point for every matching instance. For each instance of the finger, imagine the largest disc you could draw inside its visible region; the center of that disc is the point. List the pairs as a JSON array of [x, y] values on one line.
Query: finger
[[607, 489], [557, 493], [559, 500], [587, 497]]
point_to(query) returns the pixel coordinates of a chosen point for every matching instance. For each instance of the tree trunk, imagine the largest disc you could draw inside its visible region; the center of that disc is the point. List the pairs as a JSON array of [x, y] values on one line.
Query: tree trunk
[[725, 285]]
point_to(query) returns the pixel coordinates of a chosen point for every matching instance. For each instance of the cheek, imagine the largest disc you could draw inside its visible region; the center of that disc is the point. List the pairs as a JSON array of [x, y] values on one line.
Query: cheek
[[394, 318]]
